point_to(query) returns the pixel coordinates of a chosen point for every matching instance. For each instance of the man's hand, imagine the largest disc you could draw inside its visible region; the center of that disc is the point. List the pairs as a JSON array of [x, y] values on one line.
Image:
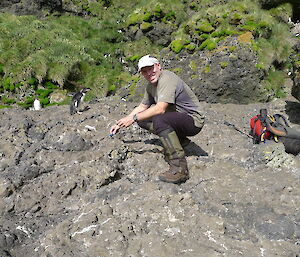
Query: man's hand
[[126, 121], [114, 129], [122, 123]]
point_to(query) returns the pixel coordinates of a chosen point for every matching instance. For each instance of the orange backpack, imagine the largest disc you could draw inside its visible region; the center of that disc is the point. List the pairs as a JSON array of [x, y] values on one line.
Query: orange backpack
[[264, 126]]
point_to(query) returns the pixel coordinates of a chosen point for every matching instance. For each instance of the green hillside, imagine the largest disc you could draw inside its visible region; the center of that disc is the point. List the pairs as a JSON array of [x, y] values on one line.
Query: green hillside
[[61, 51]]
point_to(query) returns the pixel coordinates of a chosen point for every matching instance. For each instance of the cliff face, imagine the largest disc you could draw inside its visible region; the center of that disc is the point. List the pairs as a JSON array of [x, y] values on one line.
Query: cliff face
[[217, 77], [30, 7], [222, 76], [68, 189]]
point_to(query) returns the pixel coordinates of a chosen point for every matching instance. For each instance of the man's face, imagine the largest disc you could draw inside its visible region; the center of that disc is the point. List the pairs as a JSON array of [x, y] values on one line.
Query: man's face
[[151, 73]]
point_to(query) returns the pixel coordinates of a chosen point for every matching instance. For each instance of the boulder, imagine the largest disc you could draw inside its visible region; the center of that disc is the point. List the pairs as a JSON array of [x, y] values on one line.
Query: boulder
[[30, 7], [226, 75]]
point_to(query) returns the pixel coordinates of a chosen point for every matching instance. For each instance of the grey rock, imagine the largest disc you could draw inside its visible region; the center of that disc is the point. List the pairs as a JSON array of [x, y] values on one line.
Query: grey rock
[[30, 7], [4, 253], [276, 229], [72, 142], [161, 34], [79, 192]]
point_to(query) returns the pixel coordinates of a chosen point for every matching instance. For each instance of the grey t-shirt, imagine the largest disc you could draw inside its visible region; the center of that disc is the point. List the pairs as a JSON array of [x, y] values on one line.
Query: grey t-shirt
[[173, 90]]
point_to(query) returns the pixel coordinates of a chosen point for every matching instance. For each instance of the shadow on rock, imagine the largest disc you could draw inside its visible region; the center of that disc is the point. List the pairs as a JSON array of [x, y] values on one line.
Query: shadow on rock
[[192, 149], [131, 141], [146, 151], [293, 110], [291, 145], [153, 141]]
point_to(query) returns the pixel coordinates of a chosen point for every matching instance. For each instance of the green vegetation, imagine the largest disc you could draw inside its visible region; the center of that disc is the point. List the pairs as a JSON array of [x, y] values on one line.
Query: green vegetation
[[57, 50], [178, 71], [223, 64], [206, 69], [5, 106], [193, 66], [40, 56], [166, 11], [209, 44], [275, 83], [177, 45], [8, 101]]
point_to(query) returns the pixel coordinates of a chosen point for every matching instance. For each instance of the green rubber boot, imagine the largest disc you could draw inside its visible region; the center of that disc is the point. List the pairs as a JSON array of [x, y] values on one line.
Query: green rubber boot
[[174, 155]]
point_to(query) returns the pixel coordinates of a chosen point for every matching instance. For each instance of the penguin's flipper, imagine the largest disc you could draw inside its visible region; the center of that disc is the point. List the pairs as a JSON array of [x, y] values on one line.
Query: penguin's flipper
[[72, 109]]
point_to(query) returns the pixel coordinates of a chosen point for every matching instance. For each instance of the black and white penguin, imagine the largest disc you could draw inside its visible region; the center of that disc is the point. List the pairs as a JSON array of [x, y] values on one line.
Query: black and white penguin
[[77, 100]]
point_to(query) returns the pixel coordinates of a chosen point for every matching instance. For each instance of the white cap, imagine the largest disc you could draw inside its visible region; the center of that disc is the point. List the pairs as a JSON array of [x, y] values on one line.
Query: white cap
[[147, 60]]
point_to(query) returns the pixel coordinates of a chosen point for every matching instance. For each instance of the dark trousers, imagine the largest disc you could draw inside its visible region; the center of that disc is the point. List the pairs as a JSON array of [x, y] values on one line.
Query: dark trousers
[[182, 123]]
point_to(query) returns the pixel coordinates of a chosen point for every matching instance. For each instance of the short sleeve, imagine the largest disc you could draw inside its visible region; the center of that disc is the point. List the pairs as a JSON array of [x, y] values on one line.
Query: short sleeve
[[166, 89], [147, 99]]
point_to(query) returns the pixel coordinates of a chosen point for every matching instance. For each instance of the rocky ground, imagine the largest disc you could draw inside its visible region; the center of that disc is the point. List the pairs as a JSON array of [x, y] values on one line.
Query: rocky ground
[[68, 189]]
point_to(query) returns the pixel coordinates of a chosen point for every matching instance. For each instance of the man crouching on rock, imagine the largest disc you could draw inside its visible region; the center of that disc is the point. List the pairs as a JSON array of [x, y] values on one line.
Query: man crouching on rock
[[170, 110]]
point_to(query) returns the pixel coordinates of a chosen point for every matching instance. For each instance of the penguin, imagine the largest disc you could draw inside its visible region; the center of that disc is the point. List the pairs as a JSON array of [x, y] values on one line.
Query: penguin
[[37, 105], [77, 100]]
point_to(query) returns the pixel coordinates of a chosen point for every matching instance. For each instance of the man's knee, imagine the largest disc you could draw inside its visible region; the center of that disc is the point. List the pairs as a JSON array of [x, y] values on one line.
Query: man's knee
[[160, 123], [148, 125]]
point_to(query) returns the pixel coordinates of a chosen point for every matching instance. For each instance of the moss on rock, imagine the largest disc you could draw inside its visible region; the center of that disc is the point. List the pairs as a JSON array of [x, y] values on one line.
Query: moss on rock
[[191, 47], [146, 26], [208, 44], [134, 18], [223, 64], [177, 45], [205, 27]]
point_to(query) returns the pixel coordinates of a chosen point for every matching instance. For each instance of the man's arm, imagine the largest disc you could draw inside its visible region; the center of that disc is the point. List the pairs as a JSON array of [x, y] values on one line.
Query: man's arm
[[144, 112], [154, 110], [128, 120], [139, 108]]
